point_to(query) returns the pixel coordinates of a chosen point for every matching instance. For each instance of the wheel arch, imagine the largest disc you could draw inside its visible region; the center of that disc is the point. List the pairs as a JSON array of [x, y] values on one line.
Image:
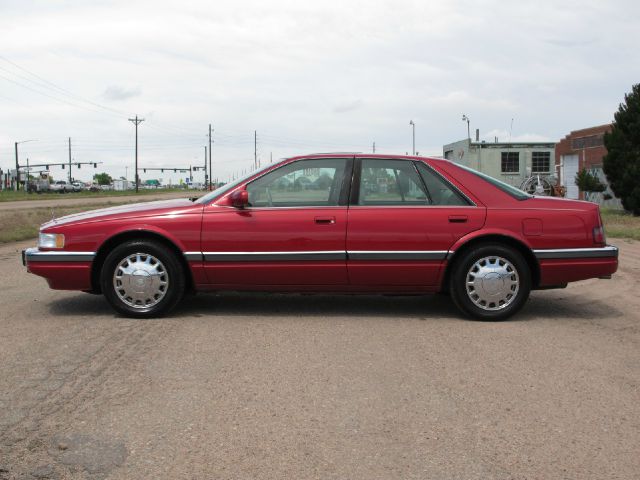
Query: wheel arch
[[113, 241], [493, 238]]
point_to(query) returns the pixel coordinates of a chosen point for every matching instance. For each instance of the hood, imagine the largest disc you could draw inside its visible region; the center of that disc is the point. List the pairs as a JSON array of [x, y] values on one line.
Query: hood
[[146, 209]]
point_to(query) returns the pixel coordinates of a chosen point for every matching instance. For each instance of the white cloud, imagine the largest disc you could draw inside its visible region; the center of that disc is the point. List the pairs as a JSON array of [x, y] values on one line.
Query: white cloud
[[119, 93], [334, 75]]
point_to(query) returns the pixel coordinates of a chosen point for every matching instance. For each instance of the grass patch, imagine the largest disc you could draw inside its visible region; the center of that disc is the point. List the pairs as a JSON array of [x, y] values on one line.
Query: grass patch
[[13, 196], [16, 225], [620, 224]]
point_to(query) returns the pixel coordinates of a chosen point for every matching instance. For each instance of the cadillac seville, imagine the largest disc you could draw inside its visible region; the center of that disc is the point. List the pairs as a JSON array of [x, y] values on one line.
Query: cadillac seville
[[332, 223]]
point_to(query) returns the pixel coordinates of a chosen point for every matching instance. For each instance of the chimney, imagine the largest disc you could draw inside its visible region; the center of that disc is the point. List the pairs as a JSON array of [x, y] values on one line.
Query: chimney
[[477, 134]]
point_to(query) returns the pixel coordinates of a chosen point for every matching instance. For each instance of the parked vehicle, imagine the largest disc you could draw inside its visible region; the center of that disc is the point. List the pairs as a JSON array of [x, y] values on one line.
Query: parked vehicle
[[37, 185], [77, 187], [61, 186], [379, 224]]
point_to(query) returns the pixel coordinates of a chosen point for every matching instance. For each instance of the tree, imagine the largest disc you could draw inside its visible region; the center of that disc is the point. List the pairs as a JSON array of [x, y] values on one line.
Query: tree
[[621, 164], [102, 179], [587, 182]]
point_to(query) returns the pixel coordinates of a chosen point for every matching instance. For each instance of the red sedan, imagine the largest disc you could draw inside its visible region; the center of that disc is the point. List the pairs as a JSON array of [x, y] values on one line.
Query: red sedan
[[339, 223]]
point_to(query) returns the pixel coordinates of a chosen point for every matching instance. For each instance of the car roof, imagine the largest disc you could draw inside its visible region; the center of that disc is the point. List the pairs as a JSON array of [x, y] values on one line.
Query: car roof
[[319, 156]]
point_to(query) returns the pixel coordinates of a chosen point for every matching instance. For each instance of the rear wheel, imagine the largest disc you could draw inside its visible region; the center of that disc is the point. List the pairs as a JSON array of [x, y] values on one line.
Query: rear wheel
[[490, 282], [142, 279]]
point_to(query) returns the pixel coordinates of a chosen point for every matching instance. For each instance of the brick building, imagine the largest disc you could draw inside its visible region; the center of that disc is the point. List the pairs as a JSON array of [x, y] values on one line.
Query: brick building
[[584, 149]]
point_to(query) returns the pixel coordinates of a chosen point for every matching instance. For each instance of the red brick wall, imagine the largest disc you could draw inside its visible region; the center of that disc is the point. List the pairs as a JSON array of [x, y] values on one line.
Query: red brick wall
[[589, 156]]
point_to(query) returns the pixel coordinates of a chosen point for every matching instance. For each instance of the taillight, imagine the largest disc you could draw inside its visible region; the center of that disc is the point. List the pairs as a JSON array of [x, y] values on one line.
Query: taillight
[[598, 235], [598, 232]]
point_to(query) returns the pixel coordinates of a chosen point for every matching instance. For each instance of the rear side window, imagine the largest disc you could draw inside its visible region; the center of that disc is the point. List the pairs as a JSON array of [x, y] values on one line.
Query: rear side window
[[505, 187], [390, 182], [440, 192]]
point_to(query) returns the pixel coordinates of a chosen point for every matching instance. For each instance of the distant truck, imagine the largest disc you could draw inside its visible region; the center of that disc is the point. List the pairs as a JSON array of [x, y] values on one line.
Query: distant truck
[[37, 185], [61, 186]]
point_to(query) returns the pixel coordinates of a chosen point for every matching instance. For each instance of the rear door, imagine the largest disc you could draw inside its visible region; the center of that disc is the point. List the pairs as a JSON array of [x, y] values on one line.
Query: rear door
[[403, 218]]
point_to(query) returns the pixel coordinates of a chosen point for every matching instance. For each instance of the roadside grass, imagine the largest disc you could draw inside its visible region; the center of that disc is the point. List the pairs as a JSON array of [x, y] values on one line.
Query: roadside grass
[[16, 225], [13, 196], [620, 224]]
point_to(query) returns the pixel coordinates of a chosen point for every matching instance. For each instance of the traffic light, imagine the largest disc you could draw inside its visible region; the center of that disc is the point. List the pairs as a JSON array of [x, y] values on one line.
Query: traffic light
[[95, 165]]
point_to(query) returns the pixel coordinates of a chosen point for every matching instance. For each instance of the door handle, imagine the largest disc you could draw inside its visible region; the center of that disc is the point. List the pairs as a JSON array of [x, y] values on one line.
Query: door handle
[[457, 218], [325, 220]]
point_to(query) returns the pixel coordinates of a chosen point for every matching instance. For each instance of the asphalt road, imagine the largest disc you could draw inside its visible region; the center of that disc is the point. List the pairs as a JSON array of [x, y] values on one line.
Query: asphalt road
[[327, 387]]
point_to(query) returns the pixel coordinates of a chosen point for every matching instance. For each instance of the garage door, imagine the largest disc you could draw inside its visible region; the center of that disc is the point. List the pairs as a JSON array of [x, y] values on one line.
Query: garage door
[[569, 172]]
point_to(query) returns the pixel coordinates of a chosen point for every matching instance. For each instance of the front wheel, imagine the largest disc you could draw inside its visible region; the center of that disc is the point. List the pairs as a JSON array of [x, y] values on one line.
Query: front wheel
[[142, 279], [490, 282]]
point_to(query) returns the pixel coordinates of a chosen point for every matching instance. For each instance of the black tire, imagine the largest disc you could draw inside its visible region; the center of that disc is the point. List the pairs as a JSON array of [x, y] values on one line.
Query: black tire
[[170, 271], [509, 299]]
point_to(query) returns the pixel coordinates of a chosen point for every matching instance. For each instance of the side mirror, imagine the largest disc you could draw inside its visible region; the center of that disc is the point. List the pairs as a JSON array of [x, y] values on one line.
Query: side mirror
[[240, 198]]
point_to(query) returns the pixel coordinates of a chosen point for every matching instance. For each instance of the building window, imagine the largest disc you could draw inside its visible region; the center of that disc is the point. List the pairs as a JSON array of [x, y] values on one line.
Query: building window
[[588, 142], [510, 162], [540, 162]]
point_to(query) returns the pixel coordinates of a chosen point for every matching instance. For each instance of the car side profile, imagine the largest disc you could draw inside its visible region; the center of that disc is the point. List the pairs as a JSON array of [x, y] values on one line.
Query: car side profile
[[332, 223]]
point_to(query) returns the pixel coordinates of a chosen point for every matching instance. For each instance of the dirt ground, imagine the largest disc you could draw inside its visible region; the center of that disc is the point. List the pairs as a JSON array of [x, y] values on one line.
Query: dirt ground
[[290, 386]]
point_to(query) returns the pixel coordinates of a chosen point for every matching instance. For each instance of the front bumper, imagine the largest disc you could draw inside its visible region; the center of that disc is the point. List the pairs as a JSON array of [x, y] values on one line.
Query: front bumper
[[62, 270]]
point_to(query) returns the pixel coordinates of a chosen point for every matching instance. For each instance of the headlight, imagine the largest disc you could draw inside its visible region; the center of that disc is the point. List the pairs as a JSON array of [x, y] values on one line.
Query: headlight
[[51, 240]]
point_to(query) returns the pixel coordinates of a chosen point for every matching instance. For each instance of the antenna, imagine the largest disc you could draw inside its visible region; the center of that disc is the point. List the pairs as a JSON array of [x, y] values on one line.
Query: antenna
[[511, 130]]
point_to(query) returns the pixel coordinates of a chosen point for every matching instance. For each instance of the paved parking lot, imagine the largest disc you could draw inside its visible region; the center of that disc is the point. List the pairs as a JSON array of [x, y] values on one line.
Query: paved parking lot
[[292, 386]]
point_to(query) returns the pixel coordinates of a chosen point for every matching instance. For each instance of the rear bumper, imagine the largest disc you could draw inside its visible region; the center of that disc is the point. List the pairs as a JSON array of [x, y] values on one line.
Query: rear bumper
[[62, 270], [561, 266]]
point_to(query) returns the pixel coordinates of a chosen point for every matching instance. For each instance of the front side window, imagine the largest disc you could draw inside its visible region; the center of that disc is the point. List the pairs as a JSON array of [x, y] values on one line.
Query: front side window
[[390, 182], [540, 162], [510, 162], [306, 183]]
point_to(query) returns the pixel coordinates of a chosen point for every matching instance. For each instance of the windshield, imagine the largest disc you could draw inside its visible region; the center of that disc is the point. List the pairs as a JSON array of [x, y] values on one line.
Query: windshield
[[229, 186], [505, 187]]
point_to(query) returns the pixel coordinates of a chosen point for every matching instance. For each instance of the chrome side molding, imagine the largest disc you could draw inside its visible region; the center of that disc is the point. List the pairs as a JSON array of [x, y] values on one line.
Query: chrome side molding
[[602, 252]]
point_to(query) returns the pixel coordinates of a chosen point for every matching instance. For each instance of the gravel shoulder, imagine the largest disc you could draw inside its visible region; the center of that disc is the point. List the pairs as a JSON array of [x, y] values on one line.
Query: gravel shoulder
[[295, 386]]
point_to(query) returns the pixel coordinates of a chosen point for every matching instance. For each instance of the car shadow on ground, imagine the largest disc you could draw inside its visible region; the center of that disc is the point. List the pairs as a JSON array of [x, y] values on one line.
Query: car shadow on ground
[[539, 306]]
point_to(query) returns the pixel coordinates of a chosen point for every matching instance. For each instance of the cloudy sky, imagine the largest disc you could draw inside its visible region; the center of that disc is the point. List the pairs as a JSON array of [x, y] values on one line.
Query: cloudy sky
[[308, 76]]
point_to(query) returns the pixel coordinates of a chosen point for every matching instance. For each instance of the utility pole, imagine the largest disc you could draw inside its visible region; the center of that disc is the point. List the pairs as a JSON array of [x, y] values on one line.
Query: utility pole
[[255, 149], [374, 147], [206, 176], [18, 163], [136, 121], [465, 118], [17, 169], [210, 151], [414, 135], [69, 159], [26, 180]]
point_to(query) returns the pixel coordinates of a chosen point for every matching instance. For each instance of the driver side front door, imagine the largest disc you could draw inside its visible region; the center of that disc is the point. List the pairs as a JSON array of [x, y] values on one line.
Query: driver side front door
[[292, 233]]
